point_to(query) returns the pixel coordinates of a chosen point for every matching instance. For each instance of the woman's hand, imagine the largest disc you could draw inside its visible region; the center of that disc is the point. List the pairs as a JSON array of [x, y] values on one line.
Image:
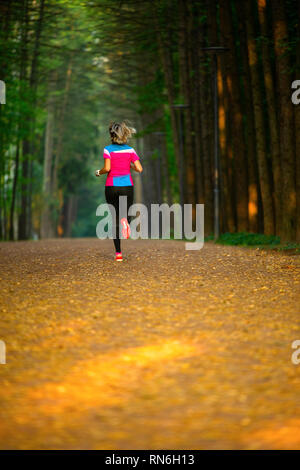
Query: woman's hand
[[105, 169], [136, 166]]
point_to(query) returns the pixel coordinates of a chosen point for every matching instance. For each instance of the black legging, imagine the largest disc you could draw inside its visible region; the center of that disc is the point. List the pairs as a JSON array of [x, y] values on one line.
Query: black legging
[[112, 194]]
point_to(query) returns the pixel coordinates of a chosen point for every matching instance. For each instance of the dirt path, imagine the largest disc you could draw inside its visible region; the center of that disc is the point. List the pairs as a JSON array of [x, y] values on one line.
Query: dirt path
[[168, 350]]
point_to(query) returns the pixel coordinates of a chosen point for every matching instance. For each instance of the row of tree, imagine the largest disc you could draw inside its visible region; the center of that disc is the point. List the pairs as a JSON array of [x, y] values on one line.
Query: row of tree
[[49, 130], [165, 44], [71, 67]]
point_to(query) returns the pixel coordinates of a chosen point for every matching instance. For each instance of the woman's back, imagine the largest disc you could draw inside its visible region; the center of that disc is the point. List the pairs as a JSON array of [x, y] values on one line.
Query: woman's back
[[120, 155]]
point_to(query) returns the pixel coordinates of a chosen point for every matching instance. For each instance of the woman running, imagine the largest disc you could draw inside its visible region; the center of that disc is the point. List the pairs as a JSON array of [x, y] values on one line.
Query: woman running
[[118, 159]]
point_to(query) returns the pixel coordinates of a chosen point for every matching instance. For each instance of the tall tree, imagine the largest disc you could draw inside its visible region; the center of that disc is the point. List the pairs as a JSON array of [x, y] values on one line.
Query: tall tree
[[264, 175], [47, 226], [286, 119], [272, 111], [297, 133], [233, 87], [249, 127]]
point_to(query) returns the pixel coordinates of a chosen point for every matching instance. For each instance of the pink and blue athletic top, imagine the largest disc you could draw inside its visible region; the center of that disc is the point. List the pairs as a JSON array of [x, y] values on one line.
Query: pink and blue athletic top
[[120, 155]]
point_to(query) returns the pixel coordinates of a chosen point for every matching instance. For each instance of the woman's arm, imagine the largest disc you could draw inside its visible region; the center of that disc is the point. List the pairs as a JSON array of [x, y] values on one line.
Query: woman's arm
[[105, 169], [136, 166]]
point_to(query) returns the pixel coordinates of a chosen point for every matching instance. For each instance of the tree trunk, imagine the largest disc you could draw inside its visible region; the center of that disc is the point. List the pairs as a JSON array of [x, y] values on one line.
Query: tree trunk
[[286, 120], [272, 113], [297, 135], [187, 88], [23, 217], [47, 228], [165, 52], [254, 203], [14, 192], [199, 187], [27, 145], [206, 114], [238, 143], [264, 177], [33, 85], [166, 174], [228, 223], [70, 213]]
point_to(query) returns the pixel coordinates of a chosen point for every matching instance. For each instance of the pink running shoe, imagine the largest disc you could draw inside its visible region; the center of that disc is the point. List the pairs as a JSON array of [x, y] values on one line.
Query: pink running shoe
[[125, 228], [119, 257]]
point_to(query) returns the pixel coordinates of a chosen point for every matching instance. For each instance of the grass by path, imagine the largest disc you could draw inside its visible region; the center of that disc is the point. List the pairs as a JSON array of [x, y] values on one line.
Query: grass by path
[[257, 240]]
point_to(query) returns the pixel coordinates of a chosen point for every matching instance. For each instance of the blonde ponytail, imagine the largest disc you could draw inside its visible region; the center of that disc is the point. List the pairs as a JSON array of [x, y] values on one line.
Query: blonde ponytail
[[120, 132]]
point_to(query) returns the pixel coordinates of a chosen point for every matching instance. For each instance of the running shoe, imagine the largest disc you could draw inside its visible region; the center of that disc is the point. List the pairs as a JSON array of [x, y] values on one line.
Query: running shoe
[[125, 228], [119, 257]]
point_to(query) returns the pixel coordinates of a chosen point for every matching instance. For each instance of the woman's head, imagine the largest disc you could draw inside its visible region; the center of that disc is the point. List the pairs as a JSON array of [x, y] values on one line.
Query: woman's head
[[120, 132]]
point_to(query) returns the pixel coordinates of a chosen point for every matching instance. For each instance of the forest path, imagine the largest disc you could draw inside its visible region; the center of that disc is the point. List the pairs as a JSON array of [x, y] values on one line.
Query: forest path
[[170, 349]]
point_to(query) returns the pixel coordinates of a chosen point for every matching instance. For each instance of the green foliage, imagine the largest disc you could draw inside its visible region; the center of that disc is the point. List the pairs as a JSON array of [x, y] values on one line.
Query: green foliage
[[295, 247], [209, 238], [247, 239], [254, 240]]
